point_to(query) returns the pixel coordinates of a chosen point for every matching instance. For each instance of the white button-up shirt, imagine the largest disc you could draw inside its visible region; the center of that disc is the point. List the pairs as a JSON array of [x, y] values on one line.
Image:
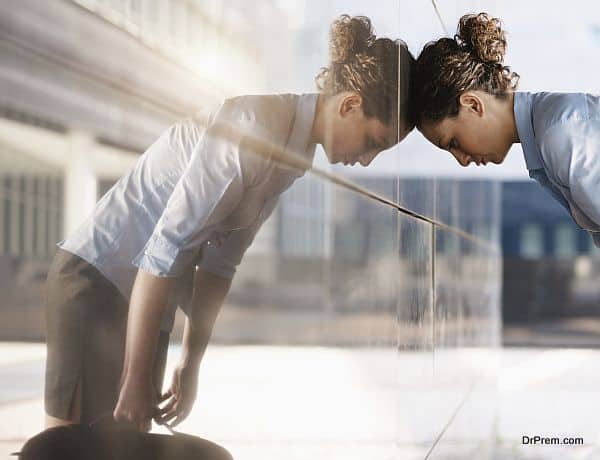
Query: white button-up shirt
[[560, 137], [195, 197]]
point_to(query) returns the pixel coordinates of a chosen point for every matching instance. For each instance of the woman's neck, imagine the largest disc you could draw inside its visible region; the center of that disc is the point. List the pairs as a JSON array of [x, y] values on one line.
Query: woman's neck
[[318, 127], [511, 123]]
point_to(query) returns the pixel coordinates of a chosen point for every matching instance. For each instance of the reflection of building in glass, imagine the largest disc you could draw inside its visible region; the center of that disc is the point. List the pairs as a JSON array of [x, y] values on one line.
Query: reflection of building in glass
[[534, 225], [544, 256], [303, 218], [319, 235]]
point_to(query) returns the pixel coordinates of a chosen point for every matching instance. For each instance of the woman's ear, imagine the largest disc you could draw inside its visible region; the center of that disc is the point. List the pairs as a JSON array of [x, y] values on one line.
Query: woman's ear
[[472, 102], [349, 103]]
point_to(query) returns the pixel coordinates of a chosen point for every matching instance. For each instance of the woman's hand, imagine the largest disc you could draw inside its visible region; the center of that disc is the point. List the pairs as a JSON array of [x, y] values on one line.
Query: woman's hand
[[137, 404], [180, 396]]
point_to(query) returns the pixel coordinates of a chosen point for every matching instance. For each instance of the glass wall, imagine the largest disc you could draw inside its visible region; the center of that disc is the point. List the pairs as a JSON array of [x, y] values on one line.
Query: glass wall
[[363, 322], [394, 320]]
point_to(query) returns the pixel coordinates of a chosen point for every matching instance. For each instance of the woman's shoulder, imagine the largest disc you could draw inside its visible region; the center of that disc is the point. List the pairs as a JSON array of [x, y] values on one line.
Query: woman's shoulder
[[265, 117], [552, 109], [561, 106], [260, 99], [272, 110]]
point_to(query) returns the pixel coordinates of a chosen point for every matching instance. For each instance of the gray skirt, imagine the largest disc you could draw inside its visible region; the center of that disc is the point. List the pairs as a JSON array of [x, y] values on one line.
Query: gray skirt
[[86, 320]]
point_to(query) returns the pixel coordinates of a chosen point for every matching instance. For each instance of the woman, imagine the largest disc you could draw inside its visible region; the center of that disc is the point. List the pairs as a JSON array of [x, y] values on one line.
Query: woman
[[465, 102], [184, 216]]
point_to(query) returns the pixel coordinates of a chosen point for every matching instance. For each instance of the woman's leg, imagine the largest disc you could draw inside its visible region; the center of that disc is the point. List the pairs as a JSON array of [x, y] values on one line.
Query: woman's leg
[[64, 341], [73, 415], [86, 320]]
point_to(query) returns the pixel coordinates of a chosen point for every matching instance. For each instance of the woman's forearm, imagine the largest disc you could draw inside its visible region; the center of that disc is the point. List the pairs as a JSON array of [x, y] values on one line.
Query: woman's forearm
[[146, 309], [207, 298]]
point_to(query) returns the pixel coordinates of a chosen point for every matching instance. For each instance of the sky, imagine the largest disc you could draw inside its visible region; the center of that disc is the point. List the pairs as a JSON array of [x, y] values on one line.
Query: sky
[[554, 46]]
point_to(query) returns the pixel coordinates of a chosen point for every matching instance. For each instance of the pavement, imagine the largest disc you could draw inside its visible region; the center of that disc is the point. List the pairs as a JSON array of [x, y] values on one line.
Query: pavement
[[546, 391], [581, 332]]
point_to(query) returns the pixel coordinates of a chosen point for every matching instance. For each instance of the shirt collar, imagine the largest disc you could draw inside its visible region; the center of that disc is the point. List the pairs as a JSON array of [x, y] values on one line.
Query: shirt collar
[[299, 143], [523, 108]]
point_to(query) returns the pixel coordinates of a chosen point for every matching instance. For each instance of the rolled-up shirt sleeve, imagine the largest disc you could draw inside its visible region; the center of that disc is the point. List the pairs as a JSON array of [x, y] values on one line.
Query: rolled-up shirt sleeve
[[211, 173], [223, 259]]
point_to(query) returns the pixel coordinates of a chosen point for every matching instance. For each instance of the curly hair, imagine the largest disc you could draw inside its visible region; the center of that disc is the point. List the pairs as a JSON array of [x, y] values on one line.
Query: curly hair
[[472, 60], [376, 68]]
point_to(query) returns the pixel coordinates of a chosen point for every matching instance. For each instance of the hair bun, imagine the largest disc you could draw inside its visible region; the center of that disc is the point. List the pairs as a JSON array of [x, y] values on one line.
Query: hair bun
[[483, 36], [350, 36]]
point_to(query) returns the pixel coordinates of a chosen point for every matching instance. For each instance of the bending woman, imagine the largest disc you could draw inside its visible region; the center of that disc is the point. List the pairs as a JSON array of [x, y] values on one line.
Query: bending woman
[[465, 102], [173, 230]]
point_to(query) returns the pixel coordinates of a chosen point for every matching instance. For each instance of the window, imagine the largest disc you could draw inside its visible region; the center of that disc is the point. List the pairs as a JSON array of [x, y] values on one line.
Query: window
[[565, 243], [531, 244]]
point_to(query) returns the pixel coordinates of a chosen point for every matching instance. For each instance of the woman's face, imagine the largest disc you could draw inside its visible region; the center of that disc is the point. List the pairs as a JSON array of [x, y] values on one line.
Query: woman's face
[[350, 137], [473, 136]]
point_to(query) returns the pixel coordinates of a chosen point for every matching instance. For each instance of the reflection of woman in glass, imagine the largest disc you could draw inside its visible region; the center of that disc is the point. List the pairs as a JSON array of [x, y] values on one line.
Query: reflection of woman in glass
[[465, 103], [184, 216]]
